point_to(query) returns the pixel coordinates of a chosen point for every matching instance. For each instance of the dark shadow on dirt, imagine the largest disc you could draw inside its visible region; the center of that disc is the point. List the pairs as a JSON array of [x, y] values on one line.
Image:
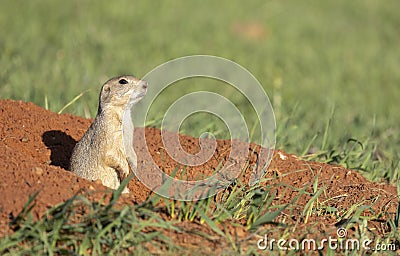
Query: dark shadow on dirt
[[61, 146]]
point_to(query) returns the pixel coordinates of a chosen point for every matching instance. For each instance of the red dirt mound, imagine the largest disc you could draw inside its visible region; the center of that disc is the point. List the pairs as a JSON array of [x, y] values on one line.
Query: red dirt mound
[[36, 145]]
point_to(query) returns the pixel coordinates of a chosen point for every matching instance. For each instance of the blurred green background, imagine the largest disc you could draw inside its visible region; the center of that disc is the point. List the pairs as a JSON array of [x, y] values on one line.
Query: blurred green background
[[330, 68]]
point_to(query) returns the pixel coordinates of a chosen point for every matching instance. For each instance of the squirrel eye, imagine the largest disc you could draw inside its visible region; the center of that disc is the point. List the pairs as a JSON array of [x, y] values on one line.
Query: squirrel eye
[[122, 81]]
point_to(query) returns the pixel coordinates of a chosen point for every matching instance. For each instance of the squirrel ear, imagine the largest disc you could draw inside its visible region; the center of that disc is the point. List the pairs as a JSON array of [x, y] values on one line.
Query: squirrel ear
[[106, 88], [105, 92]]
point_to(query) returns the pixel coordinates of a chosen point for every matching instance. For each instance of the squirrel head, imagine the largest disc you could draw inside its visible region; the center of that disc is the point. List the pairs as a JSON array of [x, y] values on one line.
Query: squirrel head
[[121, 92]]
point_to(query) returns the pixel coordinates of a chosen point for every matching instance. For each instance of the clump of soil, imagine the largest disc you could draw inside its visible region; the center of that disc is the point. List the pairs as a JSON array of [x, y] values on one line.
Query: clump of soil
[[36, 145]]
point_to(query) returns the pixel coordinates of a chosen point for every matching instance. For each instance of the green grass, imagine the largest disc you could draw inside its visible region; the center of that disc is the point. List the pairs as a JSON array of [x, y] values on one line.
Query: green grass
[[330, 68], [80, 226], [314, 56]]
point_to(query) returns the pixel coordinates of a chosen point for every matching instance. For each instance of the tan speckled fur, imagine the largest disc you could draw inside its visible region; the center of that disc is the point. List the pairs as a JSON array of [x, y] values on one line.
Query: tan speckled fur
[[100, 153]]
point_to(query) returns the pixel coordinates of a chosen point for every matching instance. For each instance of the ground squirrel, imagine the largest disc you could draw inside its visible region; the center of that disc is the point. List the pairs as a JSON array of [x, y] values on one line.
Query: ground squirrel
[[100, 153]]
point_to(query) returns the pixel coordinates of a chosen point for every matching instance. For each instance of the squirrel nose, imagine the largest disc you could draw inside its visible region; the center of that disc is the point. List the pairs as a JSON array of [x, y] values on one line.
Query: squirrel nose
[[143, 84]]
